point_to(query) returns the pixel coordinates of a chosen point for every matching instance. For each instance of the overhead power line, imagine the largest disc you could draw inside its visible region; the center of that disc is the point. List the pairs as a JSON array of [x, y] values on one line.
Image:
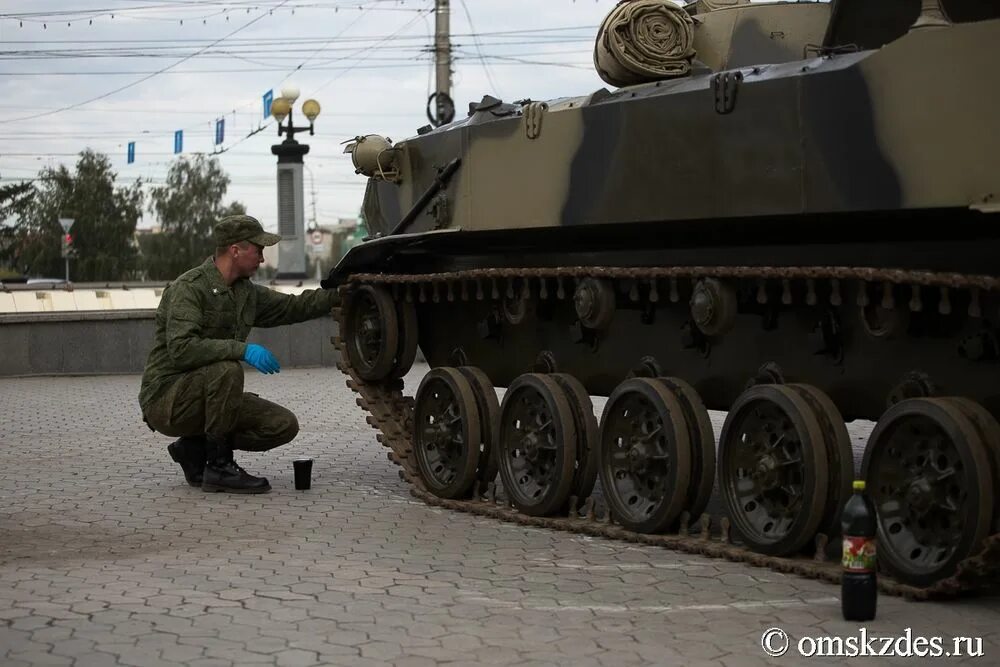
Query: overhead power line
[[251, 70], [147, 135], [135, 83], [372, 47], [221, 8], [272, 51], [479, 50], [294, 40], [507, 61], [324, 84], [147, 110], [159, 180]]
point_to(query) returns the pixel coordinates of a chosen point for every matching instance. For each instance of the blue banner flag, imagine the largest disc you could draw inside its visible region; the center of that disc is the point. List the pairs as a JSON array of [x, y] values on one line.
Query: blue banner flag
[[268, 98], [220, 131], [131, 152], [179, 141]]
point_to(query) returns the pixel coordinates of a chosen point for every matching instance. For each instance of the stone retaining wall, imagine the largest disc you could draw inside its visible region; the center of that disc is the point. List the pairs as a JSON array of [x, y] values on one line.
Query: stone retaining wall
[[117, 341]]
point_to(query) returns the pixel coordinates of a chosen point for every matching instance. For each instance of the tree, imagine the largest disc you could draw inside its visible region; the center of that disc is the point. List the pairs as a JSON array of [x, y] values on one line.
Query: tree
[[188, 205], [356, 237], [15, 198], [105, 220]]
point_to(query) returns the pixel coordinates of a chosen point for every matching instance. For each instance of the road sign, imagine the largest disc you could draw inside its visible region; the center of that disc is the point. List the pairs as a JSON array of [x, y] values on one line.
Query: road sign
[[131, 152], [317, 237], [179, 141], [220, 131], [268, 98], [66, 223]]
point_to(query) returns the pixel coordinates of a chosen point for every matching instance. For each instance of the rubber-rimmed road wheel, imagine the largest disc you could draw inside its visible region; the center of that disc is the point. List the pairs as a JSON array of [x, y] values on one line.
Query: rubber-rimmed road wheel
[[839, 456], [702, 437], [588, 440], [372, 332], [928, 473], [989, 431], [536, 444], [772, 469], [446, 432], [645, 455], [489, 417], [406, 314]]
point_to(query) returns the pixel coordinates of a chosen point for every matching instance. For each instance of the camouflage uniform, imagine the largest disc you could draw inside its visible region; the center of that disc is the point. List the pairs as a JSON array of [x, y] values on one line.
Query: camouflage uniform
[[193, 381]]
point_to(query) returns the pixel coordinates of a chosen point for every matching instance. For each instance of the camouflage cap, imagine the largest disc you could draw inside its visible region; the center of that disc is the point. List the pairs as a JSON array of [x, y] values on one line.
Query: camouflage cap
[[235, 228]]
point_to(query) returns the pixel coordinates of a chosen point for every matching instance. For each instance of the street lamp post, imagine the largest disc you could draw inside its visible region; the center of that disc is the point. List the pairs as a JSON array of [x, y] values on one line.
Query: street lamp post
[[291, 214]]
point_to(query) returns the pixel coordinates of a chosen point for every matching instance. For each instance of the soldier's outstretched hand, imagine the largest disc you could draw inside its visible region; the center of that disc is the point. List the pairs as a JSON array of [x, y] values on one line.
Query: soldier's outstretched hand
[[261, 358]]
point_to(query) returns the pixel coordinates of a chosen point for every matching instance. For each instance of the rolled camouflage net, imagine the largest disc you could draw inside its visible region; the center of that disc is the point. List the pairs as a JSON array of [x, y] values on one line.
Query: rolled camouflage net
[[644, 40]]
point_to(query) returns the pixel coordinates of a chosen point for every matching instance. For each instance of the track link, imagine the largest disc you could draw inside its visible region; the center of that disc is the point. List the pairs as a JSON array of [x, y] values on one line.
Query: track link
[[391, 412]]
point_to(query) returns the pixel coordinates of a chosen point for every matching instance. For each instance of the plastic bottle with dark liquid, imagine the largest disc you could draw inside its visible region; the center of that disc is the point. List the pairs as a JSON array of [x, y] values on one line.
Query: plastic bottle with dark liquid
[[858, 584]]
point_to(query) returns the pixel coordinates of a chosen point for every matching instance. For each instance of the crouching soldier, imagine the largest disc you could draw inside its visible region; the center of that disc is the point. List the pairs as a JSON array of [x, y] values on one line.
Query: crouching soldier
[[192, 386]]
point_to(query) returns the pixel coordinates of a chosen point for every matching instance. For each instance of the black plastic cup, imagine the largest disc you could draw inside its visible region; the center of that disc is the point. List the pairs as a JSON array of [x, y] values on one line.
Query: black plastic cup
[[303, 473]]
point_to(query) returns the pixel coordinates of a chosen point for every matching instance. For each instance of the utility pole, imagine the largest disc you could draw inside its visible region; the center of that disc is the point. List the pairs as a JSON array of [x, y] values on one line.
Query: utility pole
[[312, 185], [444, 106], [313, 229]]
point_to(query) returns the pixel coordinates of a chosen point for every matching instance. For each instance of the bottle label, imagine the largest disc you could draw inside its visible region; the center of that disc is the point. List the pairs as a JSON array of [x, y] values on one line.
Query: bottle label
[[859, 554]]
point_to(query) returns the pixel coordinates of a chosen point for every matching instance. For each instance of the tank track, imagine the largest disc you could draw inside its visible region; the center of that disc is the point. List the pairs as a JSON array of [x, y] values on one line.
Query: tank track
[[391, 412]]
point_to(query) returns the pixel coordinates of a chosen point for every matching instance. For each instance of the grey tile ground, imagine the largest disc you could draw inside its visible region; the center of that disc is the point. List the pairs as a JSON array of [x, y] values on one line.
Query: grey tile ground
[[107, 558]]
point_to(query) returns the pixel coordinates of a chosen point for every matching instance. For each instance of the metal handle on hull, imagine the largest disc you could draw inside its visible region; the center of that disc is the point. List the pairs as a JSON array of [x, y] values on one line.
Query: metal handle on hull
[[439, 182]]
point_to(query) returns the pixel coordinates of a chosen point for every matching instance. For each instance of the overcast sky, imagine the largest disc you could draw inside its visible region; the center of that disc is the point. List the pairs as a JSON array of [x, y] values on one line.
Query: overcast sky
[[365, 61]]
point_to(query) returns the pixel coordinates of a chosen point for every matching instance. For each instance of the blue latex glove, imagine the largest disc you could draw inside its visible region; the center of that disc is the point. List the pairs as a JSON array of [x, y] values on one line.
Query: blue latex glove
[[260, 358]]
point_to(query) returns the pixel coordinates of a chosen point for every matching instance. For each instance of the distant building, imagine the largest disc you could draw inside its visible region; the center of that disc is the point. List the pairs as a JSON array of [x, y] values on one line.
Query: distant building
[[326, 244]]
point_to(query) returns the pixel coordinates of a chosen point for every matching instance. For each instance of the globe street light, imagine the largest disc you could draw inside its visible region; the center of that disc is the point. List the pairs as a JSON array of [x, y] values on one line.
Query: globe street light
[[291, 218]]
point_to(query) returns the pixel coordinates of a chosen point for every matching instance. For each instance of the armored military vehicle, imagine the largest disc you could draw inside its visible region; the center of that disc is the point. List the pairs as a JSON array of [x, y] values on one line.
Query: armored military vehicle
[[795, 220]]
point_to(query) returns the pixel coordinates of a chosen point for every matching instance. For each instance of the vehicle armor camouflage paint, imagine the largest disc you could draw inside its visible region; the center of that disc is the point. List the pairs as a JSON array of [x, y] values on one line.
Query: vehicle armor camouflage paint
[[801, 230]]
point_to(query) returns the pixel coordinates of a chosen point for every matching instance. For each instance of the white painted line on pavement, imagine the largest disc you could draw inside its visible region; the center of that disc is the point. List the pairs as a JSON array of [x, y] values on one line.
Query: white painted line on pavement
[[656, 609]]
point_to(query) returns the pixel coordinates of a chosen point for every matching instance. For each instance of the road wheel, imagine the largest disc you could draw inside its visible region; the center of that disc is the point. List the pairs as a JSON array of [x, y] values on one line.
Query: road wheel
[[446, 433], [587, 432], [406, 314], [536, 445], [839, 455], [372, 332], [645, 455], [489, 417], [772, 469], [928, 473], [702, 438]]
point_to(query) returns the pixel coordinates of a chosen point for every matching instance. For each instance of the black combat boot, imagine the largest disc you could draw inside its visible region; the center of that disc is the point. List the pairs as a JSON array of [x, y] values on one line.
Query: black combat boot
[[189, 453], [222, 473]]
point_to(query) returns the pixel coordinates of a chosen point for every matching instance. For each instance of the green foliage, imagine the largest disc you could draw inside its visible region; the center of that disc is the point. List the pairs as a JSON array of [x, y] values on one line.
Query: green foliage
[[104, 246], [188, 205], [105, 220], [15, 199]]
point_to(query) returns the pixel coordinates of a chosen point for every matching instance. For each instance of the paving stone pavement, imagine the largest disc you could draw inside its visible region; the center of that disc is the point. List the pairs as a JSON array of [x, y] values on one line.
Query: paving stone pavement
[[108, 558]]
